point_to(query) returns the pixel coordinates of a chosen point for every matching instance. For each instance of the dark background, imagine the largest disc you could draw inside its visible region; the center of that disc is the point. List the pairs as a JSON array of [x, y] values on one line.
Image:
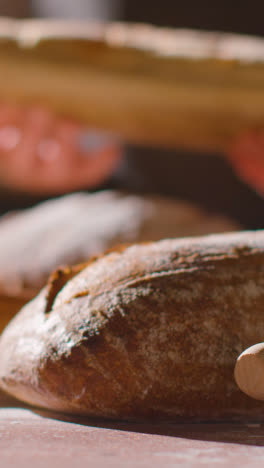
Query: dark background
[[237, 16]]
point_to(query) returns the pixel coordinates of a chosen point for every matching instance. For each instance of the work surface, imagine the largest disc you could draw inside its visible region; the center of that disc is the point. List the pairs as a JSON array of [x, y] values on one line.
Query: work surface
[[30, 438]]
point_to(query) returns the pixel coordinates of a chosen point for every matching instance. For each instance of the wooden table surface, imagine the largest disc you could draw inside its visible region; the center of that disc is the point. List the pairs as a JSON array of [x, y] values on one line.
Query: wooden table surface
[[31, 438]]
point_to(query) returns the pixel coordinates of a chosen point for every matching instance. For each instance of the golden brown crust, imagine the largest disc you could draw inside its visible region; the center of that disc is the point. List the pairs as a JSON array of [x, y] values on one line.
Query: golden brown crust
[[151, 331], [149, 85]]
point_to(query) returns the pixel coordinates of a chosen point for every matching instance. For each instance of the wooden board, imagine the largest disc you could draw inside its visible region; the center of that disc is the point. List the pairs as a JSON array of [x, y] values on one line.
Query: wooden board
[[32, 438]]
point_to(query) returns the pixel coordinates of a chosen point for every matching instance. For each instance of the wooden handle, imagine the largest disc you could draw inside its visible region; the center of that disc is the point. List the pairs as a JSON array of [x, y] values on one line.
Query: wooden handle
[[174, 88]]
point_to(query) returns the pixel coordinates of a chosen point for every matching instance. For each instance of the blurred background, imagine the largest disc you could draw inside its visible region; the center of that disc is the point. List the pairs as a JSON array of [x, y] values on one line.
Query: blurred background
[[205, 179]]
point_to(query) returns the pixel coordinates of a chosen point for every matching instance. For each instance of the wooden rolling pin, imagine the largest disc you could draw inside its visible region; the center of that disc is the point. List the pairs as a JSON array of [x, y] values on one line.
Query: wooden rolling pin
[[249, 371], [174, 88]]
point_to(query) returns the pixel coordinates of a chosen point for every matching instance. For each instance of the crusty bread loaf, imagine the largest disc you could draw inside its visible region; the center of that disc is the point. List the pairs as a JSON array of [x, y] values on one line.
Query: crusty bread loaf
[[149, 85], [147, 331]]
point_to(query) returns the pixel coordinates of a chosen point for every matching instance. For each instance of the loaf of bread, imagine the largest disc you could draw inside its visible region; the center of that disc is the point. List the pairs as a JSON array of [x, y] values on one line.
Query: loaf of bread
[[158, 86], [73, 228], [148, 331]]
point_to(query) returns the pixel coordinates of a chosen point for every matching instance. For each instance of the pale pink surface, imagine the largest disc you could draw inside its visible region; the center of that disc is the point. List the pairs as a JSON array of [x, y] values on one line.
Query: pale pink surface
[[35, 439], [42, 153]]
